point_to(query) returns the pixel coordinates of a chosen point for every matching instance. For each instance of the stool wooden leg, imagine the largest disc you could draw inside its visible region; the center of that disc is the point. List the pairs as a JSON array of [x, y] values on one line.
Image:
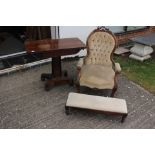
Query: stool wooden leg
[[123, 118], [67, 110]]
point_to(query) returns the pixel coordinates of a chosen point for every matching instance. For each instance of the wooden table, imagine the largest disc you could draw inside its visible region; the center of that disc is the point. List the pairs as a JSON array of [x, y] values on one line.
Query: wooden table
[[55, 48]]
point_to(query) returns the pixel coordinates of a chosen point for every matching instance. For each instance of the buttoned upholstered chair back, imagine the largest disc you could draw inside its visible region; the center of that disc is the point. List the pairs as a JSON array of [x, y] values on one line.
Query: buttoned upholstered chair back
[[101, 44]]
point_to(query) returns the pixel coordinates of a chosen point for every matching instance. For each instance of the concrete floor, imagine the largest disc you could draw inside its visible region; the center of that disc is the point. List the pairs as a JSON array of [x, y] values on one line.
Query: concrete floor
[[25, 104]]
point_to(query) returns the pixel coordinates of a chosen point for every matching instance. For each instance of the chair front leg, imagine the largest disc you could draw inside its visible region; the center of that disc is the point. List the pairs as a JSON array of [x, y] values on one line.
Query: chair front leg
[[115, 86], [113, 91], [77, 87], [77, 83]]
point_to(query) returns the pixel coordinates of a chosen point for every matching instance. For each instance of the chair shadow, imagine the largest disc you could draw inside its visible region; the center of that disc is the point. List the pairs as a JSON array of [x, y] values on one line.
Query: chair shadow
[[97, 92]]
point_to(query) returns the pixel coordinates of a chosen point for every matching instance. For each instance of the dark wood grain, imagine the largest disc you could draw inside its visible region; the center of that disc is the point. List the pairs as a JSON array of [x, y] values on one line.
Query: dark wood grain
[[52, 45]]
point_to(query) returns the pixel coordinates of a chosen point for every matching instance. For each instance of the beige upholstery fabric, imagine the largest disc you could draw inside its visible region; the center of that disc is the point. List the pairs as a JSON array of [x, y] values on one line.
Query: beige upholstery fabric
[[117, 65], [100, 44], [80, 63], [97, 103], [97, 68], [117, 68], [97, 76]]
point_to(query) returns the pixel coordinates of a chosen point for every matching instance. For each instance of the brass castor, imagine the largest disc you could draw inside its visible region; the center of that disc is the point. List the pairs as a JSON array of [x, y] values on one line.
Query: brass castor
[[71, 82], [65, 73], [45, 77], [47, 87]]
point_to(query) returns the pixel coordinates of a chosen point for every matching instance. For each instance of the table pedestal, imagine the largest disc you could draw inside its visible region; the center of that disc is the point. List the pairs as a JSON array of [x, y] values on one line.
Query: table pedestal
[[55, 48], [57, 76]]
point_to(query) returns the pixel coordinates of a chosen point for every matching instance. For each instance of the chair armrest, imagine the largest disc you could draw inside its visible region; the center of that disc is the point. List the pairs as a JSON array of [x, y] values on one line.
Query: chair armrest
[[80, 63], [117, 68]]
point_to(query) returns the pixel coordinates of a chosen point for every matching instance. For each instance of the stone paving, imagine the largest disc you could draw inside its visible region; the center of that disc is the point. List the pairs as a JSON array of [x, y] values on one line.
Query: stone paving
[[25, 104]]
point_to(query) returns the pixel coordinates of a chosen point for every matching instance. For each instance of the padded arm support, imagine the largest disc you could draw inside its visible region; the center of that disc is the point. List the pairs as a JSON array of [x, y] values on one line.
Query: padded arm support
[[80, 63], [117, 68]]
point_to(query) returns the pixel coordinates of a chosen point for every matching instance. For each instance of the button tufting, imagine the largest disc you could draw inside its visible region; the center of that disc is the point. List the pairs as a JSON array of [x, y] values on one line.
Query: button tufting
[[101, 45]]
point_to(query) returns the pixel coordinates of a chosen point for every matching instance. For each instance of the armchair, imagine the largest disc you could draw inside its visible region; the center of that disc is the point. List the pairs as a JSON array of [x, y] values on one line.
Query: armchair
[[97, 69]]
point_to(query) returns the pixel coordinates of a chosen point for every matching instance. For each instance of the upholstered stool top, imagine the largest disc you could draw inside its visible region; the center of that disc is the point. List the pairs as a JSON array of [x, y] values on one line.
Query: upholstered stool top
[[99, 103]]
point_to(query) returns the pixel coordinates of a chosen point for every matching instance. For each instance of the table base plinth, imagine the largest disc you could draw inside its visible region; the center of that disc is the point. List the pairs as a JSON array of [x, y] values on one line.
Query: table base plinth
[[46, 76], [53, 81]]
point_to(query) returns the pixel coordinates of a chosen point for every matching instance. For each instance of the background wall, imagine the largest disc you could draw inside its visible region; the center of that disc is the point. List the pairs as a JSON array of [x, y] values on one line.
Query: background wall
[[115, 29], [76, 31], [82, 33]]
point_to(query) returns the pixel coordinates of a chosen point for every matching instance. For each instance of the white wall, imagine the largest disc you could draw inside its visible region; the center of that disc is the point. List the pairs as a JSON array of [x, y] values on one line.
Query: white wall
[[82, 32], [76, 31], [115, 29]]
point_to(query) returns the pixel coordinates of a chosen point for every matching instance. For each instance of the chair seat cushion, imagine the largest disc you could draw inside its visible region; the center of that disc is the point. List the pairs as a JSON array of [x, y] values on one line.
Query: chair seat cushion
[[117, 68], [97, 76]]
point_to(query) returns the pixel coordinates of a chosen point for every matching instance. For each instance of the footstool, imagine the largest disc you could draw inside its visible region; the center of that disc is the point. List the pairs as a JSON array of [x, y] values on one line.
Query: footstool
[[97, 103]]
